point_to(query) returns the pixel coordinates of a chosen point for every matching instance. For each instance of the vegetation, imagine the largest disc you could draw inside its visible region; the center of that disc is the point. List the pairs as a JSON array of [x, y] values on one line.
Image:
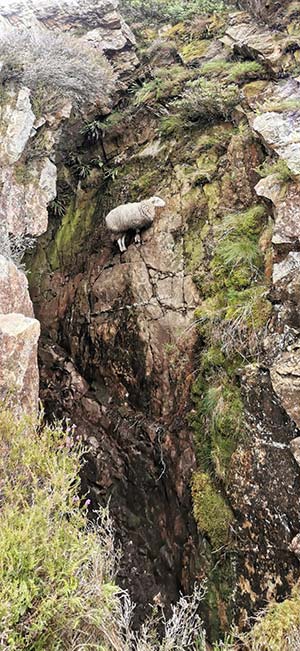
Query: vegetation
[[278, 167], [55, 65], [217, 419], [158, 11], [207, 100], [278, 628], [211, 512], [57, 584], [232, 71]]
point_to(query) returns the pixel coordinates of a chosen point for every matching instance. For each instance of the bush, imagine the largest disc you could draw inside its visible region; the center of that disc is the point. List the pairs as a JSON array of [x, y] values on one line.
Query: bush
[[207, 101], [14, 247], [162, 10], [57, 587], [57, 64]]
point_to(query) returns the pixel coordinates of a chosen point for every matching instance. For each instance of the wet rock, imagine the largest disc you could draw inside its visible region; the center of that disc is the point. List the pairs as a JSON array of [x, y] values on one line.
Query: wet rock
[[18, 360], [14, 294]]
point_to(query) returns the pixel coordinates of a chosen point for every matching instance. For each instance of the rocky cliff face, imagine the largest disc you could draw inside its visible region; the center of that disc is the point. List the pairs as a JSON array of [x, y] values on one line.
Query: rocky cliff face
[[162, 399]]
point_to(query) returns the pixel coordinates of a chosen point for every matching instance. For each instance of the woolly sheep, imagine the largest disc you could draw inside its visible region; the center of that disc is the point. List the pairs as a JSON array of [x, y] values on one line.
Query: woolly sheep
[[133, 216]]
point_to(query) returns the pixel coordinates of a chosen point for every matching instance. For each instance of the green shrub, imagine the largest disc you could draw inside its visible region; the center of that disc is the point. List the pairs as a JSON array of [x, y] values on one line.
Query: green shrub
[[160, 11], [56, 575], [205, 100], [213, 516]]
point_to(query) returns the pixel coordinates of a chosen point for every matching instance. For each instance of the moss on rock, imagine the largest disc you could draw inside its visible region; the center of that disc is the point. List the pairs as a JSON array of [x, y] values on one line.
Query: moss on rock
[[212, 514]]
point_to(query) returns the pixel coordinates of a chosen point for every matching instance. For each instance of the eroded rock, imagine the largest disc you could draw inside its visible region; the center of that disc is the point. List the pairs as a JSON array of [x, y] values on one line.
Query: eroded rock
[[285, 376], [14, 294], [19, 374]]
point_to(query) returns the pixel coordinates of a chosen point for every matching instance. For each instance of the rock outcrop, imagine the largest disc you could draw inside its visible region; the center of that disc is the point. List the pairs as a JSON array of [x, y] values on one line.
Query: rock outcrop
[[153, 393]]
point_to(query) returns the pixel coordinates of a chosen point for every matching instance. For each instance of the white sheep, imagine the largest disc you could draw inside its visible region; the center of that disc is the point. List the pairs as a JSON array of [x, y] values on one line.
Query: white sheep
[[133, 216]]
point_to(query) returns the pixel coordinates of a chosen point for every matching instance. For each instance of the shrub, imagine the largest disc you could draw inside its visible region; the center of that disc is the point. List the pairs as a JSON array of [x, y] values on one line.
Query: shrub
[[207, 101], [55, 64], [15, 246], [159, 11]]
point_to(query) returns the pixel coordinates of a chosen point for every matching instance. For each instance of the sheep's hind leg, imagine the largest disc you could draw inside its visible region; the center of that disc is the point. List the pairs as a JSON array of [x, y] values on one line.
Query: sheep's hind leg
[[137, 238]]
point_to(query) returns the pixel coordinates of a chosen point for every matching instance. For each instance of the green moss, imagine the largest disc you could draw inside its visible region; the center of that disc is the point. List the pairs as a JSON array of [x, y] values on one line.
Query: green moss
[[194, 50], [193, 247], [217, 419], [207, 164], [73, 231], [212, 194], [163, 85], [213, 516], [24, 175], [277, 627], [278, 167]]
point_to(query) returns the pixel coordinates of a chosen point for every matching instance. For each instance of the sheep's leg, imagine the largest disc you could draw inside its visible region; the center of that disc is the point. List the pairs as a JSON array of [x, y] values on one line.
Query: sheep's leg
[[123, 242], [120, 243], [137, 238]]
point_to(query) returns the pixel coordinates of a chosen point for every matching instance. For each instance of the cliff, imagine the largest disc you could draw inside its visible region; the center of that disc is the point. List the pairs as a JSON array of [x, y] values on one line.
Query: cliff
[[178, 361]]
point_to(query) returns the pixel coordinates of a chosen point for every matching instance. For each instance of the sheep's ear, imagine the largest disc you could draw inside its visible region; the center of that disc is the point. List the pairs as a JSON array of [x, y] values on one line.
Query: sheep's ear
[[157, 201]]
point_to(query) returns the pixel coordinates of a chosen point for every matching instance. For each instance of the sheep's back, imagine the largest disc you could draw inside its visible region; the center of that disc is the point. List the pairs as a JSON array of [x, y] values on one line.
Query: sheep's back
[[128, 216]]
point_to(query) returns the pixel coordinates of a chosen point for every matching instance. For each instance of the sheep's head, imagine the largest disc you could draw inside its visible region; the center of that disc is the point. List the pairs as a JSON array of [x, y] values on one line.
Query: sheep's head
[[157, 202]]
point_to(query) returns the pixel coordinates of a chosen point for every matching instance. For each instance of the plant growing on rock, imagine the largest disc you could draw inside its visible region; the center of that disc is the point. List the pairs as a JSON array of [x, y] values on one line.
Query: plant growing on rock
[[173, 10], [205, 100], [56, 64]]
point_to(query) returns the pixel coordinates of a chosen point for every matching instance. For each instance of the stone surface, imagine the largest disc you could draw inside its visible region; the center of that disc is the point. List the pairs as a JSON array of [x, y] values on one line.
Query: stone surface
[[17, 120], [290, 266], [285, 376], [254, 41], [14, 294], [23, 201], [295, 449], [286, 209], [18, 360]]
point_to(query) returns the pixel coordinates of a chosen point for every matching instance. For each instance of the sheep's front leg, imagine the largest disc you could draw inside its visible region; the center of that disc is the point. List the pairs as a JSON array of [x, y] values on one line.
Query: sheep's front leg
[[121, 244], [137, 238]]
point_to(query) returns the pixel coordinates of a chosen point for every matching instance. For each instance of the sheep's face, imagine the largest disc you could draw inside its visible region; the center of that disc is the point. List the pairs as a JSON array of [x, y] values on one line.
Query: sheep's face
[[158, 202]]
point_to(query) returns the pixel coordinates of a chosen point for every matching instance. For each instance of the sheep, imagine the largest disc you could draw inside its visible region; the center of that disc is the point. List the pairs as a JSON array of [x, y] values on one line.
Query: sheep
[[132, 216]]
